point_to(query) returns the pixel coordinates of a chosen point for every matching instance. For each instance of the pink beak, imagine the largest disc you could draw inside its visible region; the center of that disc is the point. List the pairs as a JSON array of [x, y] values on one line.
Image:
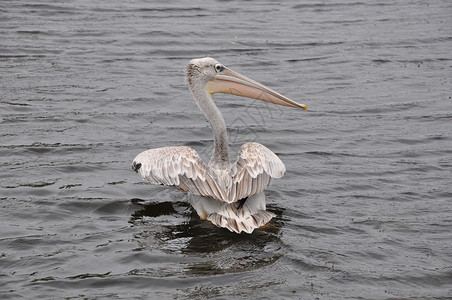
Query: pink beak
[[230, 82]]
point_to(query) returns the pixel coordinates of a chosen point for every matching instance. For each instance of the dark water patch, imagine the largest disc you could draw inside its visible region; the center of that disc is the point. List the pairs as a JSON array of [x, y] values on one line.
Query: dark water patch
[[32, 185], [332, 5], [116, 182], [69, 186], [153, 209], [85, 276], [43, 7], [430, 118], [166, 9], [49, 278], [38, 146], [17, 104], [308, 59]]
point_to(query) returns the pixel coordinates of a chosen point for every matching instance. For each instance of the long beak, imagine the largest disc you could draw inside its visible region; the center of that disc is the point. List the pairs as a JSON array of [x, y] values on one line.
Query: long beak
[[230, 82]]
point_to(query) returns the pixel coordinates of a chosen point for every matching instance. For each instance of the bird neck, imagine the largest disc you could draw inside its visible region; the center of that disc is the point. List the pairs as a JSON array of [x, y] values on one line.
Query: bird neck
[[220, 156]]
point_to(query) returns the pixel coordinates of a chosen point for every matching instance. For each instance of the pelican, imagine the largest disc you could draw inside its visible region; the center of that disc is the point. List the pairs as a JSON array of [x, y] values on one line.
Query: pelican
[[228, 195]]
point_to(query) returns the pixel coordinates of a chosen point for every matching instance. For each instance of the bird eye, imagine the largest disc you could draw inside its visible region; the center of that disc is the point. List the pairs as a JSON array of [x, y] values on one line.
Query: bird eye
[[219, 68]]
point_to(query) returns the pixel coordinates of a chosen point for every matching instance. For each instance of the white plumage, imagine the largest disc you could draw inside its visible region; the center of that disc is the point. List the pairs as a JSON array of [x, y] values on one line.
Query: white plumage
[[182, 167], [228, 195]]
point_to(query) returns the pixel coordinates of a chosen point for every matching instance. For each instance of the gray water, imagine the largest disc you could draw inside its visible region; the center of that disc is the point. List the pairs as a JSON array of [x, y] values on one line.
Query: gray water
[[364, 210]]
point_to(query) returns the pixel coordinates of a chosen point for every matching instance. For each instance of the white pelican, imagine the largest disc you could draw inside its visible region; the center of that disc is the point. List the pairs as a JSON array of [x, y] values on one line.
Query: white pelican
[[228, 195]]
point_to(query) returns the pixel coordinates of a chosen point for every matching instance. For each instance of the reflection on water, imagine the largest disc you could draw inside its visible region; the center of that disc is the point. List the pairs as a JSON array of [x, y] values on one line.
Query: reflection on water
[[174, 227]]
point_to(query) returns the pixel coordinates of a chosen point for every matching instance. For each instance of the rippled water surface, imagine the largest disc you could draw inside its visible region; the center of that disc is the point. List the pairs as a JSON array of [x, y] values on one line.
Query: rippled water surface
[[364, 210]]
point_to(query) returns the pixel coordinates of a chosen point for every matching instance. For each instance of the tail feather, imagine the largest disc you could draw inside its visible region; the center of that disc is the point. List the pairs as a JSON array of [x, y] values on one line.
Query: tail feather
[[246, 215], [236, 224]]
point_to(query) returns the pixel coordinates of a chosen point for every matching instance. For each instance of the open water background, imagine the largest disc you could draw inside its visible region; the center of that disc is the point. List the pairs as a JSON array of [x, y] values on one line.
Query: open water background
[[364, 211]]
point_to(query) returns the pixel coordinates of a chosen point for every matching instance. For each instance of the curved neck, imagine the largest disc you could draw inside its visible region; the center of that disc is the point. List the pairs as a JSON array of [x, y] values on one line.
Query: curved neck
[[220, 156]]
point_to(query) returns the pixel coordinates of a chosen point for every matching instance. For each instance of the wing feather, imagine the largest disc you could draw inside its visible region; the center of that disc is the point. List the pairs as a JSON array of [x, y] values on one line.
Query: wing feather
[[182, 167], [253, 171], [178, 166]]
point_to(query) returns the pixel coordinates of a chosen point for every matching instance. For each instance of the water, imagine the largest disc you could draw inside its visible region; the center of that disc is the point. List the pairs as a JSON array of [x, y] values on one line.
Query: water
[[364, 210]]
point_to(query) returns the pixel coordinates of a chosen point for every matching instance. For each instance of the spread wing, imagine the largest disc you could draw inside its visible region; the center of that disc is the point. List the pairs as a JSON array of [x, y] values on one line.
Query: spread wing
[[253, 171], [178, 166], [182, 167]]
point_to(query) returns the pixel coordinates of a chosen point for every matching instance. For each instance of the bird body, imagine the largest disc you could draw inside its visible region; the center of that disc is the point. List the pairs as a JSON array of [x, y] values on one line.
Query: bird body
[[228, 195]]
